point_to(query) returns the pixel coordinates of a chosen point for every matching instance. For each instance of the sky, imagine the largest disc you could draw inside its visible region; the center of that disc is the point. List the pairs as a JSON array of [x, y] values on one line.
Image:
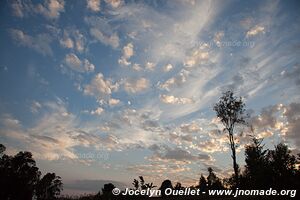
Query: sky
[[107, 90]]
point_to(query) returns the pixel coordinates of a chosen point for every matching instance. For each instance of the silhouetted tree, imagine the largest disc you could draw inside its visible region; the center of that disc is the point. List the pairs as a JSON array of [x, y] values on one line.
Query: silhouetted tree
[[230, 110], [283, 166], [2, 149], [136, 184], [107, 189], [19, 176], [49, 187], [257, 169], [142, 181], [142, 184], [213, 182], [178, 186], [164, 185], [202, 183]]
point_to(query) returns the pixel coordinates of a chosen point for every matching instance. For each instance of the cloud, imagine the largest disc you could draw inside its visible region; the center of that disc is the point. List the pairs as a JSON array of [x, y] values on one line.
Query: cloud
[[100, 86], [56, 134], [18, 8], [128, 50], [190, 128], [136, 85], [197, 57], [150, 66], [255, 30], [115, 3], [74, 63], [93, 5], [177, 80], [292, 73], [292, 115], [165, 153], [40, 43], [136, 67], [113, 102], [35, 107], [73, 39], [127, 54], [267, 118], [67, 43], [167, 68], [102, 31], [52, 8], [175, 100], [112, 40], [280, 119], [218, 38], [98, 111]]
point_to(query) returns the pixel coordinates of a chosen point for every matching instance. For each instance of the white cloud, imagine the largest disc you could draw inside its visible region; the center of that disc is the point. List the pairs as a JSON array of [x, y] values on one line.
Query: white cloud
[[99, 85], [170, 99], [40, 43], [73, 39], [197, 57], [150, 66], [178, 80], [111, 40], [51, 8], [128, 52], [93, 5], [18, 8], [35, 107], [255, 30], [98, 111], [115, 3], [136, 67], [190, 128], [218, 38], [67, 43], [167, 68], [136, 85], [113, 102], [77, 65]]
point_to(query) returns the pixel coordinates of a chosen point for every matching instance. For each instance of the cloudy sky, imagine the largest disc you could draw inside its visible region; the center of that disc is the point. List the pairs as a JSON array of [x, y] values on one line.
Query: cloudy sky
[[102, 90]]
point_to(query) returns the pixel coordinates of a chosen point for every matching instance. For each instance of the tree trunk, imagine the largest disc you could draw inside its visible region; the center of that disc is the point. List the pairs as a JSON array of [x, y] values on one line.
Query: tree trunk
[[235, 165]]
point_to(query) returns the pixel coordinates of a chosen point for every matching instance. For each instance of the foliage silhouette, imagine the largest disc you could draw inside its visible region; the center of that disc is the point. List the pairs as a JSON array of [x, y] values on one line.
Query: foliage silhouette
[[231, 110], [257, 166], [141, 184], [165, 185], [49, 186], [178, 186], [202, 183], [213, 182], [20, 177]]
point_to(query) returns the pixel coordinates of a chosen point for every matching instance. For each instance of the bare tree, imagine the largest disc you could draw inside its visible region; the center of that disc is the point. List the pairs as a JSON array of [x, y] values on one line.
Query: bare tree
[[230, 110]]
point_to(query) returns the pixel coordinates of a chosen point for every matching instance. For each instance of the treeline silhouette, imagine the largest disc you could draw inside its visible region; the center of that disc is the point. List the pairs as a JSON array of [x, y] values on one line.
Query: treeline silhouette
[[278, 168], [20, 178]]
